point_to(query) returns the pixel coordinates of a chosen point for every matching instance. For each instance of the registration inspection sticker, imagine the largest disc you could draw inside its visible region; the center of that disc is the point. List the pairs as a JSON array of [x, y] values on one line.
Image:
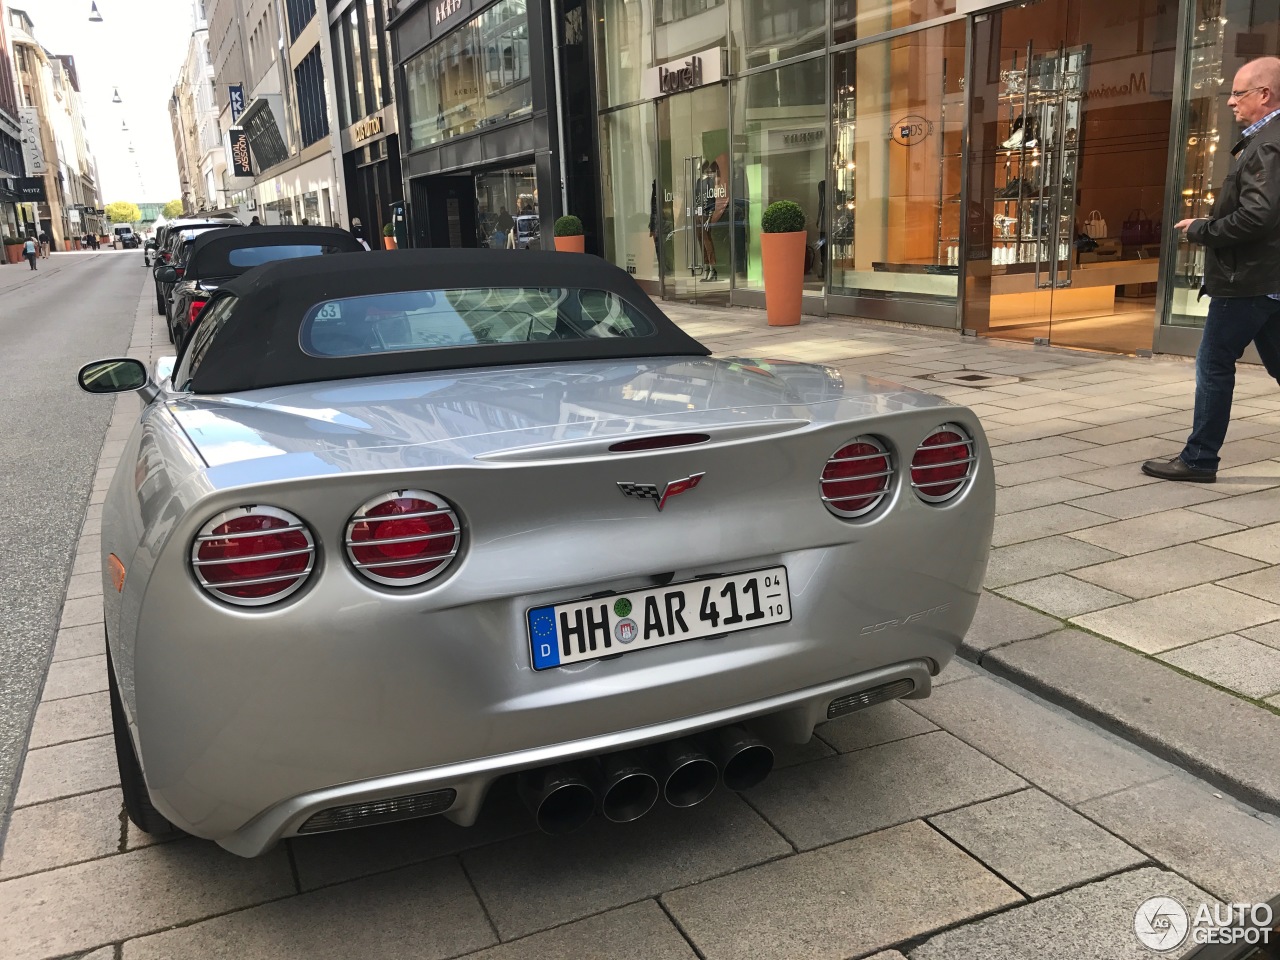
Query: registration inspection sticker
[[605, 626]]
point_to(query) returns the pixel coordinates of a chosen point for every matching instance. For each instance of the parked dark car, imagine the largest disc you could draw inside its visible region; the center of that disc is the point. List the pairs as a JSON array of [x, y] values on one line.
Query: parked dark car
[[212, 258], [180, 232]]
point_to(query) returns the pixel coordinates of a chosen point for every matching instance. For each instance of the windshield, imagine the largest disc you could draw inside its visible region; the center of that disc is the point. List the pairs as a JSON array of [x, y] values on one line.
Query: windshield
[[436, 319]]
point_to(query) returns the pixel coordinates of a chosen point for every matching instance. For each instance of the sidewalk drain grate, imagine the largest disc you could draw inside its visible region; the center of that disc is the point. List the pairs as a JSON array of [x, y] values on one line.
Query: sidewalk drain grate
[[974, 378]]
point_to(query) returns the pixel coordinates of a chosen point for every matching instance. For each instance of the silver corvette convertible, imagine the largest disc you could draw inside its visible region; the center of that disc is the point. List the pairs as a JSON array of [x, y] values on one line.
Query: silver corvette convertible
[[391, 528]]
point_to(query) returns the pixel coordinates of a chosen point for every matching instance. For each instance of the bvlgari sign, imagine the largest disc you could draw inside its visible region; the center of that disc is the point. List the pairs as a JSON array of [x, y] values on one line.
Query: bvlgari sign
[[685, 73]]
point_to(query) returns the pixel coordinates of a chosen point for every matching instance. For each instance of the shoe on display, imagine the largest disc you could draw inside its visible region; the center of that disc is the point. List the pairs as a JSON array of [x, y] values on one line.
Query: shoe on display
[[1015, 135], [1031, 133]]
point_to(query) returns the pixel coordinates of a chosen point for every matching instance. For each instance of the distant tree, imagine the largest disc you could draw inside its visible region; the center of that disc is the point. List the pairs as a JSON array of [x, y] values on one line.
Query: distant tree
[[172, 209], [123, 212]]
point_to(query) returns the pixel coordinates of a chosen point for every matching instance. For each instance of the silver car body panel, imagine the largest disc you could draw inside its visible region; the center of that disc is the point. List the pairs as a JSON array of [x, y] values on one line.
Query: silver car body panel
[[248, 720]]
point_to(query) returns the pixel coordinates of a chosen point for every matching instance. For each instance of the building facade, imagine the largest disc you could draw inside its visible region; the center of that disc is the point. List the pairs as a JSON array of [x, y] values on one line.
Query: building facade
[[12, 168], [197, 138]]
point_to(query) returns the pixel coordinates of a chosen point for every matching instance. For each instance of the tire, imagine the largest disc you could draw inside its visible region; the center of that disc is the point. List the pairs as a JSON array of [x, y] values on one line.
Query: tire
[[159, 303], [137, 802]]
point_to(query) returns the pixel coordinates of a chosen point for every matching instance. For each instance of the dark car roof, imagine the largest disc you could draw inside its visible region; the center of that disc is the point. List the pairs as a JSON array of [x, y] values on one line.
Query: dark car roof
[[259, 345], [211, 249]]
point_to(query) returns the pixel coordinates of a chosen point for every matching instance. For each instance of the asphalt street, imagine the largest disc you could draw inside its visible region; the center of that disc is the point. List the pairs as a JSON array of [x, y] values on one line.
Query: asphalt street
[[72, 309]]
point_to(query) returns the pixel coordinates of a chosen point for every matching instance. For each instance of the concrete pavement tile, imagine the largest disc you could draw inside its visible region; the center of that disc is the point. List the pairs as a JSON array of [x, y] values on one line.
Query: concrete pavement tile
[[1234, 662], [84, 585], [82, 611], [105, 953], [1123, 430], [1260, 543], [887, 955], [1093, 922], [841, 901], [329, 858], [63, 832], [1042, 522], [957, 668], [537, 881], [789, 754], [1062, 596], [1131, 451], [1120, 477], [998, 621], [1154, 531], [1036, 843], [883, 723], [87, 562], [1039, 558], [74, 718], [1140, 501], [1025, 432], [67, 769], [1211, 841], [1249, 509], [1249, 450], [1214, 734], [427, 912], [641, 931], [1036, 449], [1163, 571], [1036, 409], [1178, 618], [1041, 493], [74, 678], [1249, 478], [78, 907], [1015, 730], [1041, 468], [857, 793], [1268, 633]]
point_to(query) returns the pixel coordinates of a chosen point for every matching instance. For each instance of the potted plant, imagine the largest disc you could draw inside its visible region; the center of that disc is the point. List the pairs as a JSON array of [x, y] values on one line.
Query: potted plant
[[13, 249], [782, 243], [389, 236], [569, 237]]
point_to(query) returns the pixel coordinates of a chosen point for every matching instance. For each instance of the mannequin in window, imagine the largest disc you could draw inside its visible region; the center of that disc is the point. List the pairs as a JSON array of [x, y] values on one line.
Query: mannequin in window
[[705, 212]]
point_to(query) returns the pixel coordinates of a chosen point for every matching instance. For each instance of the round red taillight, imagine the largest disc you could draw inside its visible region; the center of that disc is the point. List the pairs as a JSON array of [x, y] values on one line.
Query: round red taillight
[[403, 538], [856, 478], [943, 464], [253, 555]]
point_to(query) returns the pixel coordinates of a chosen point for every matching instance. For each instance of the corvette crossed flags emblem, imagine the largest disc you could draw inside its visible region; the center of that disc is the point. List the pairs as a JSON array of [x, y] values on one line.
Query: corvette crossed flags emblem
[[650, 491]]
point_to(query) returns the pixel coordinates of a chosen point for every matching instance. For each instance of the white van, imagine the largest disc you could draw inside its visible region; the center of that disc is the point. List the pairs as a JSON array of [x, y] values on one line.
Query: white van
[[125, 236]]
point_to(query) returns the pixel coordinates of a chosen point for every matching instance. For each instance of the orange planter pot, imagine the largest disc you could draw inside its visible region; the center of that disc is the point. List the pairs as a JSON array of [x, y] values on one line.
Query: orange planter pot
[[783, 255], [576, 244], [388, 243], [13, 252]]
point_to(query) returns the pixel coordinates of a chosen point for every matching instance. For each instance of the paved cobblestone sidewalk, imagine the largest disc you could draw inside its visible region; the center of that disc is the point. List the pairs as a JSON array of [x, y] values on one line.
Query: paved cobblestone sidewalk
[[981, 822]]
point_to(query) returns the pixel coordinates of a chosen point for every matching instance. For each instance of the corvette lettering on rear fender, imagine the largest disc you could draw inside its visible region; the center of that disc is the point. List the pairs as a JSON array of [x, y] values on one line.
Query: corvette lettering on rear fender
[[903, 621]]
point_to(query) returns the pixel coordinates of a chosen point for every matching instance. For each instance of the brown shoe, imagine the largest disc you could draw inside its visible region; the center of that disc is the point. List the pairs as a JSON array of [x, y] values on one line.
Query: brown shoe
[[1177, 469]]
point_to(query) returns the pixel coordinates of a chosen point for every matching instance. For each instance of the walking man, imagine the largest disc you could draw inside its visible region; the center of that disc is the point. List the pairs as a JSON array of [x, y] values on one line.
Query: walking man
[[1241, 237], [44, 245], [29, 251]]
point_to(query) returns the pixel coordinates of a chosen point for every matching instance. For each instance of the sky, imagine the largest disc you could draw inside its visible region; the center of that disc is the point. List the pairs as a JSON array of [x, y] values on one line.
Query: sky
[[138, 48]]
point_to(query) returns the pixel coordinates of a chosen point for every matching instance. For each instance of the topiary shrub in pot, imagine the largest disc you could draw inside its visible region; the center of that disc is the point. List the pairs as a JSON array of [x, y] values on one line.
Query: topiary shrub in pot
[[569, 238], [13, 249], [782, 244], [389, 236]]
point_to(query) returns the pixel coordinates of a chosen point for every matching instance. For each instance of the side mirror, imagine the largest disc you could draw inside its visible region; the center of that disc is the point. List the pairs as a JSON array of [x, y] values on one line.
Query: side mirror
[[118, 375], [167, 275]]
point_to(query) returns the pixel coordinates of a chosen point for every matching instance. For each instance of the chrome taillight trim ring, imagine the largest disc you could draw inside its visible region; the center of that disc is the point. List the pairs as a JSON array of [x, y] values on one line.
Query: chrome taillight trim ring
[[293, 523], [443, 561], [876, 497], [960, 483]]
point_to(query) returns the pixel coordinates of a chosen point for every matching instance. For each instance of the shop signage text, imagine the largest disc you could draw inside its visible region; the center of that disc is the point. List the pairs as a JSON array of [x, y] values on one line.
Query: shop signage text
[[445, 9], [792, 141], [235, 95], [911, 130], [366, 128], [240, 165], [1137, 84], [29, 189], [687, 73]]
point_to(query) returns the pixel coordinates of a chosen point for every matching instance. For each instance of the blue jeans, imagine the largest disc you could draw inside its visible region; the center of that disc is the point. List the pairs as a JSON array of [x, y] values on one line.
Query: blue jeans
[[1233, 323]]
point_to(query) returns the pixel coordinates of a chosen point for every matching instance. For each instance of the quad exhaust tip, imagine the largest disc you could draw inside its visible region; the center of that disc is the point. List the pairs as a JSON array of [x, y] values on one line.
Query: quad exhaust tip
[[561, 797], [628, 789]]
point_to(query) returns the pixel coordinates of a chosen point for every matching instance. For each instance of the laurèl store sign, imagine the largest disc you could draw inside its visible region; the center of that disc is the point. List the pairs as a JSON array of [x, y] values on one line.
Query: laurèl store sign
[[684, 73]]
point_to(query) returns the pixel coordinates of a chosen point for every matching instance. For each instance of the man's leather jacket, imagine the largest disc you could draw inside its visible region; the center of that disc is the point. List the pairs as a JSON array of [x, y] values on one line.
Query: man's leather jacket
[[1242, 234]]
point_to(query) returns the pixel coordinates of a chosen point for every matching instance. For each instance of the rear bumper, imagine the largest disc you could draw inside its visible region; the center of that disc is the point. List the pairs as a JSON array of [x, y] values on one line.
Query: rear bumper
[[790, 717]]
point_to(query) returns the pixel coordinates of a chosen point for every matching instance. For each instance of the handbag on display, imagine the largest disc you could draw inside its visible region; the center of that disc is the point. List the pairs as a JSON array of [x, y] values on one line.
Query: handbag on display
[[1095, 226], [1137, 229]]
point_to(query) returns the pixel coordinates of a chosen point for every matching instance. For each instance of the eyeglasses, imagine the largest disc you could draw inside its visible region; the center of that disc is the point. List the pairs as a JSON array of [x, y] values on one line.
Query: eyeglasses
[[1241, 94]]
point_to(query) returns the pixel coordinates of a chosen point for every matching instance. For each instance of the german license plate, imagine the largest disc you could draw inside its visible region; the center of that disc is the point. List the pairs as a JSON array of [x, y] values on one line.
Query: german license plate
[[605, 626]]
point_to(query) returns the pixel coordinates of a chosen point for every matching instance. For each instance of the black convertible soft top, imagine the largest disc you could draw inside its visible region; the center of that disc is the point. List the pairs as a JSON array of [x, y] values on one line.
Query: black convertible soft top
[[211, 249], [259, 344]]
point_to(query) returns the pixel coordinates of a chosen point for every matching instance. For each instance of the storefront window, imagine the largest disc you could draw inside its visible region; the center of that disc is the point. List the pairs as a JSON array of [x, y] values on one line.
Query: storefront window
[[625, 47], [899, 119], [1226, 34], [766, 31], [780, 123], [375, 66], [476, 76], [507, 209], [860, 19], [341, 79], [687, 26], [629, 189], [360, 106]]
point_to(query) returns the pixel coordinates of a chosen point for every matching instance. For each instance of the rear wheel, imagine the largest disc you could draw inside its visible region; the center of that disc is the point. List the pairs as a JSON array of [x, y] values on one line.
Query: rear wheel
[[159, 302], [137, 802]]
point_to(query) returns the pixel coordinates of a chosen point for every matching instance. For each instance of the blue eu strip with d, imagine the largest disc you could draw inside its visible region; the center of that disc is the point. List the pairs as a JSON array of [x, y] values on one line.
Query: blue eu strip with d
[[544, 637]]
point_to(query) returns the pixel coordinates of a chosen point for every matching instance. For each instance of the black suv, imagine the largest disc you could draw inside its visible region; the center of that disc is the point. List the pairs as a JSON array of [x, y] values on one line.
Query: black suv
[[177, 232]]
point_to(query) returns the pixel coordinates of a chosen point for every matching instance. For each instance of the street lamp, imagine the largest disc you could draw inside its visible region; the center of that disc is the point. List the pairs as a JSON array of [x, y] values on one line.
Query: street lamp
[[94, 15], [115, 97]]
